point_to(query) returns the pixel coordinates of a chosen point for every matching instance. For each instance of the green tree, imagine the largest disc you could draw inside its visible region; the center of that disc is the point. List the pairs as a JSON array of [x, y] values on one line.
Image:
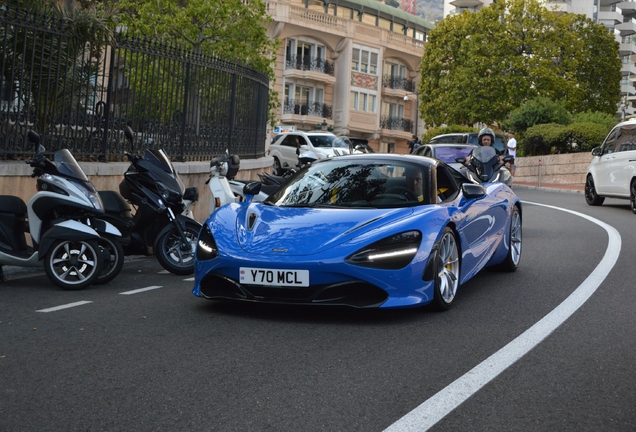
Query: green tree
[[230, 29], [478, 67], [604, 119]]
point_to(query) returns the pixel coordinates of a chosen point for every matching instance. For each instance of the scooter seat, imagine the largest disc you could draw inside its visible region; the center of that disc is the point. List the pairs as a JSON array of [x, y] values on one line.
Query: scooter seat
[[12, 204]]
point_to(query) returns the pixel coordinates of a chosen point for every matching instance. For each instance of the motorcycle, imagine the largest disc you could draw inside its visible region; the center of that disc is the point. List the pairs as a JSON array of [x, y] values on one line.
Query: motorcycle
[[485, 166], [157, 227], [61, 219], [223, 187]]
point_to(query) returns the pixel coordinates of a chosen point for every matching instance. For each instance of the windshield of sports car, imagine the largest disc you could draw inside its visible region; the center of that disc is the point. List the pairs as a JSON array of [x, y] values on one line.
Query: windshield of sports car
[[341, 183], [327, 141]]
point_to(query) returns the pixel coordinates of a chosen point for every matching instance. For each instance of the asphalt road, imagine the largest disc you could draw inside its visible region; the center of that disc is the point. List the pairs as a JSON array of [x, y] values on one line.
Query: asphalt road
[[164, 360]]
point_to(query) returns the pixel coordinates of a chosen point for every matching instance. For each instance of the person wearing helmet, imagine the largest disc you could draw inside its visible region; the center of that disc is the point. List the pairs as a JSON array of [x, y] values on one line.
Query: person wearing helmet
[[486, 137]]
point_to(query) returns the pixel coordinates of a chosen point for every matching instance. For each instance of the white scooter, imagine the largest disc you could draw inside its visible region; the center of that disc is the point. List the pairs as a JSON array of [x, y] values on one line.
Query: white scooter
[[222, 168], [63, 231]]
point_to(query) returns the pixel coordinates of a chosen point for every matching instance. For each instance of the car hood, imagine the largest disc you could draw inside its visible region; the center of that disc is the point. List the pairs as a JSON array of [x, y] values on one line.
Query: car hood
[[269, 230]]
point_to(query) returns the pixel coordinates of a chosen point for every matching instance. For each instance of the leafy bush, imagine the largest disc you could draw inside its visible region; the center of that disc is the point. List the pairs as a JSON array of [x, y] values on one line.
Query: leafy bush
[[587, 135], [607, 120], [537, 111], [551, 138]]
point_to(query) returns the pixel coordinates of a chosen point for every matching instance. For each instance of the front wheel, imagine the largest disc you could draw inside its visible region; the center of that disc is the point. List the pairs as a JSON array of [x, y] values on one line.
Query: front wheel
[[511, 262], [277, 170], [113, 254], [591, 196], [172, 255], [73, 265], [447, 271]]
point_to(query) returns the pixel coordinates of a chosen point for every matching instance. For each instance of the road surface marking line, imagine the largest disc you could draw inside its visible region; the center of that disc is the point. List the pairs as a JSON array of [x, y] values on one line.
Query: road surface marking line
[[446, 400], [66, 306], [190, 279], [141, 290]]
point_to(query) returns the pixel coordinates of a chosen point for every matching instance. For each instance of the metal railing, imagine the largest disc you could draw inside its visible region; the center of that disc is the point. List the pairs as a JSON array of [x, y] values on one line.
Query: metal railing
[[396, 123], [398, 83], [80, 95], [314, 64], [308, 108]]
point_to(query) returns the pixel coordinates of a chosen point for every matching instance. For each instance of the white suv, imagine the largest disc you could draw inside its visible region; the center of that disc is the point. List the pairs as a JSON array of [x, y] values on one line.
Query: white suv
[[612, 172], [323, 144]]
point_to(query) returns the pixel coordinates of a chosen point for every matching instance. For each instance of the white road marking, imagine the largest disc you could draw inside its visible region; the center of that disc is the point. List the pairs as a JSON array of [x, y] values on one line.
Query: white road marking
[[66, 306], [163, 272], [141, 290], [446, 400], [189, 279]]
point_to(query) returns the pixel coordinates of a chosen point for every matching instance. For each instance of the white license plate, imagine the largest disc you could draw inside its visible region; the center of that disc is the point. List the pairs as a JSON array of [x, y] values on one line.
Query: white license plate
[[273, 277]]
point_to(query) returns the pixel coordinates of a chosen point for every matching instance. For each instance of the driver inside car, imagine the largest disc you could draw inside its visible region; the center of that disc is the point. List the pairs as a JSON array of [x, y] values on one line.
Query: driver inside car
[[415, 182]]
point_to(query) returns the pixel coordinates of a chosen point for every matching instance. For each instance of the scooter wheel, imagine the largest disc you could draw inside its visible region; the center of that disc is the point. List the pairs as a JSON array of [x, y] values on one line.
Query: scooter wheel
[[172, 256], [73, 265], [113, 258]]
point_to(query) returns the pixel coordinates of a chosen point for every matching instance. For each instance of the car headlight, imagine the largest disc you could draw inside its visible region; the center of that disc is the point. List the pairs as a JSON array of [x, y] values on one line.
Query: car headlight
[[206, 246], [391, 253]]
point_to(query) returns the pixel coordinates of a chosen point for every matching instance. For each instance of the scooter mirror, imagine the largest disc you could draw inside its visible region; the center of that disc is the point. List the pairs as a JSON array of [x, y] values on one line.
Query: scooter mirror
[[128, 132], [33, 137]]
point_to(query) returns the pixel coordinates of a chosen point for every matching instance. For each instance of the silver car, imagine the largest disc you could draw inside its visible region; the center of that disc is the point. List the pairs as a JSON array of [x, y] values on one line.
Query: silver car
[[286, 148]]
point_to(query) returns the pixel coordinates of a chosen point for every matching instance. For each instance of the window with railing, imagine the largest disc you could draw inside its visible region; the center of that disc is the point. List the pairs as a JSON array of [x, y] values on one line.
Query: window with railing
[[307, 107], [307, 54]]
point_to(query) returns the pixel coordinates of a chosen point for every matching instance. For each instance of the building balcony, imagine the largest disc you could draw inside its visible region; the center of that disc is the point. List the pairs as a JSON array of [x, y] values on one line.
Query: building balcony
[[395, 83], [305, 112], [627, 48], [627, 8], [396, 128], [311, 68], [626, 28], [610, 18], [628, 89], [628, 69]]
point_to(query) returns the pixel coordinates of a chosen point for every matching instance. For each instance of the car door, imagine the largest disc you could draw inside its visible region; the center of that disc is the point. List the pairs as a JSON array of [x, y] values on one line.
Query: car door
[[605, 165], [621, 164]]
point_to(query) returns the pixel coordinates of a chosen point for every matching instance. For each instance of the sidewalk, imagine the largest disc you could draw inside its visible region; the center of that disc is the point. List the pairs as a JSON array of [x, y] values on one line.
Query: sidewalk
[[551, 187]]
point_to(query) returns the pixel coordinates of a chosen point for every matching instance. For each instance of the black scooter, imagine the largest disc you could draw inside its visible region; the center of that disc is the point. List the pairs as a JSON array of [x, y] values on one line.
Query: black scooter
[[157, 227], [485, 166]]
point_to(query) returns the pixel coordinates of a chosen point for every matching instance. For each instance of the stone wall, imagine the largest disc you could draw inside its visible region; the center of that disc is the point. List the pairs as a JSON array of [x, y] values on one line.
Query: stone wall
[[566, 169], [15, 178]]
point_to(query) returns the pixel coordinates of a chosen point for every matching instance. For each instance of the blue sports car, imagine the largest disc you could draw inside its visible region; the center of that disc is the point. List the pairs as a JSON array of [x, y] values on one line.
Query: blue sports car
[[368, 230]]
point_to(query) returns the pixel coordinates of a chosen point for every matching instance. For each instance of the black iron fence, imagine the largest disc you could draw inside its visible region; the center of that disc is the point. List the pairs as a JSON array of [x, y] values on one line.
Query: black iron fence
[[396, 123], [398, 83], [309, 108], [80, 95], [315, 64]]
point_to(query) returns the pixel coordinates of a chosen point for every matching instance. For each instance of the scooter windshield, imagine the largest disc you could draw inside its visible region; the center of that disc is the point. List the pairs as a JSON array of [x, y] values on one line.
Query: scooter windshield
[[68, 166], [160, 160]]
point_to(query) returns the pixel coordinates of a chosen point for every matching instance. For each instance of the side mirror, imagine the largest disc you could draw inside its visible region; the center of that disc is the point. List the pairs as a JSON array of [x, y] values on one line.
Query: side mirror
[[508, 159], [128, 132], [33, 137], [473, 190], [252, 188], [596, 151], [461, 160]]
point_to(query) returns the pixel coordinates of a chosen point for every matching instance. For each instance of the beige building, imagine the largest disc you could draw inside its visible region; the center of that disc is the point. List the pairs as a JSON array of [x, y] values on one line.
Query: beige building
[[349, 66]]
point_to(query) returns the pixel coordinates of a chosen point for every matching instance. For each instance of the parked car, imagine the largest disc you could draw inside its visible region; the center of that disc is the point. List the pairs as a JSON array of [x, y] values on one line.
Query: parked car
[[364, 230], [446, 152], [470, 138], [323, 144], [612, 172]]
